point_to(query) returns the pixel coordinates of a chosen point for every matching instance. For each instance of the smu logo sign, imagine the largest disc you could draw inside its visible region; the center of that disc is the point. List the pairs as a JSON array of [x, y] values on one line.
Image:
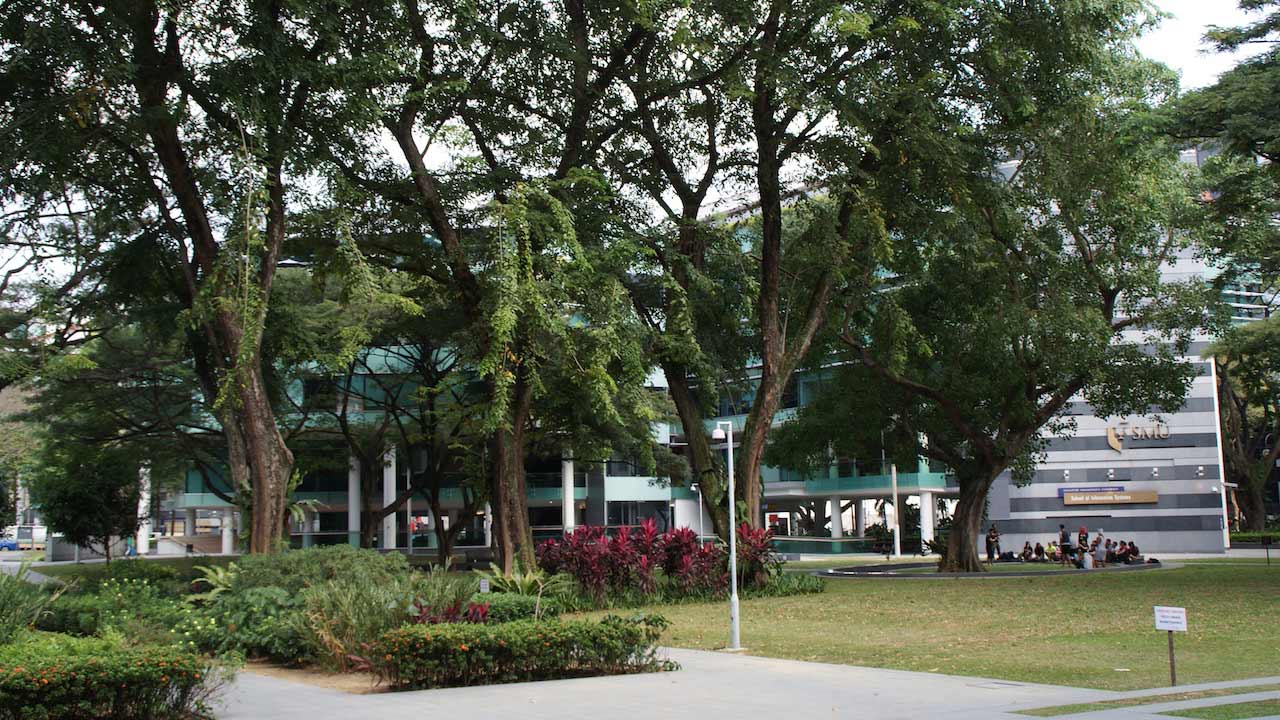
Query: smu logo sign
[[1117, 433]]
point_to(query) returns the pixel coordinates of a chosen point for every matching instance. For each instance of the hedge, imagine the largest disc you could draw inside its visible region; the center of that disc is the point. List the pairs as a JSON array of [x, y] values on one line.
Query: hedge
[[64, 678], [432, 656], [510, 607]]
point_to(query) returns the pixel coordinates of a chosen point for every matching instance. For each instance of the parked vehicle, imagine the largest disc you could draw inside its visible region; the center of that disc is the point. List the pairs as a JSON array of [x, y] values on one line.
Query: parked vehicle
[[31, 537], [7, 543]]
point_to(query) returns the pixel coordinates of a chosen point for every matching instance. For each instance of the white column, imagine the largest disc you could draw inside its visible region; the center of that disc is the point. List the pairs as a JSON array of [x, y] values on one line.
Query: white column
[[143, 539], [926, 518], [859, 518], [307, 538], [228, 533], [837, 523], [1222, 462], [897, 516], [189, 521], [388, 497], [566, 494], [488, 525], [354, 503]]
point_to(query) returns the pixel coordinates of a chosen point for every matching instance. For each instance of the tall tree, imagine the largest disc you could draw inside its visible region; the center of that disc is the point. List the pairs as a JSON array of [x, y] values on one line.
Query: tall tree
[[1237, 122], [186, 124], [835, 119], [493, 112], [1041, 284], [1248, 359]]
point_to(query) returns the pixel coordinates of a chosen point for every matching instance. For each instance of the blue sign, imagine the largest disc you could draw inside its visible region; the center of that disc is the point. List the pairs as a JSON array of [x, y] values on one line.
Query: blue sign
[[1108, 488]]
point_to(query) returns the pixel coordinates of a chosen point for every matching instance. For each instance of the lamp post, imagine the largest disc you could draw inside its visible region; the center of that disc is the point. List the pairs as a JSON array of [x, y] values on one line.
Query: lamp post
[[724, 431], [698, 489]]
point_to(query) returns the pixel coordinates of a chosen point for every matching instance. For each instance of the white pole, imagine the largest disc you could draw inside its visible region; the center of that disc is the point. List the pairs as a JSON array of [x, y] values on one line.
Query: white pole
[[142, 539], [409, 519], [897, 534], [389, 529], [734, 635], [700, 511], [567, 499], [1222, 464], [354, 503]]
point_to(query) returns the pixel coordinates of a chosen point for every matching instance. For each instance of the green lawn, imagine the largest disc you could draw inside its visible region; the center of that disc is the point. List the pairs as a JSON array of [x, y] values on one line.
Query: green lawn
[[1234, 711], [1088, 630]]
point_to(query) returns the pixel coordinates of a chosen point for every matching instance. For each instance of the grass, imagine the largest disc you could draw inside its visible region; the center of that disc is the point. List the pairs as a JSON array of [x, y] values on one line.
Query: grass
[[1057, 710], [1070, 629], [1234, 711]]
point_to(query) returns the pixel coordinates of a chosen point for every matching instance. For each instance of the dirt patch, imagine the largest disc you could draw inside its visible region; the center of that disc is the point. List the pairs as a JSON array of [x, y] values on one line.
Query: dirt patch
[[351, 682]]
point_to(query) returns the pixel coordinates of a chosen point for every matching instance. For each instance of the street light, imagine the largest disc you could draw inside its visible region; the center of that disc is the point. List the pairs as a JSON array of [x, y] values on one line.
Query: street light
[[698, 489], [724, 431]]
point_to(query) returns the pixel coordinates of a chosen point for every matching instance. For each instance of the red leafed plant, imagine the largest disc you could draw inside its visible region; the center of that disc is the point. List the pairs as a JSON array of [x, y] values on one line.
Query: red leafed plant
[[472, 612]]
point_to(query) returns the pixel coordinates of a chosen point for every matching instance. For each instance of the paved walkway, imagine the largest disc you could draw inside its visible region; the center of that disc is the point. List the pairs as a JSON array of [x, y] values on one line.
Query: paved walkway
[[711, 685]]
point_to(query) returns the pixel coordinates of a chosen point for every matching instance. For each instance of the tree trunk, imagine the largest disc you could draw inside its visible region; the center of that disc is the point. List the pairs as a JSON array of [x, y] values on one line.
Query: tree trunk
[[512, 535], [444, 540], [269, 460], [702, 464], [1252, 499], [966, 525], [755, 435]]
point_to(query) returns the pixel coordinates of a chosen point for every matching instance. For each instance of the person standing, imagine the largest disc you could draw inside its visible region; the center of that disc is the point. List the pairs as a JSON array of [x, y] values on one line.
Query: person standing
[[1064, 543], [993, 544]]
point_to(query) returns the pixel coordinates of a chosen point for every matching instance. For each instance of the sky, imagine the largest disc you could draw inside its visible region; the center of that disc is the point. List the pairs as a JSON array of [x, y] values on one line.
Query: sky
[[1177, 41]]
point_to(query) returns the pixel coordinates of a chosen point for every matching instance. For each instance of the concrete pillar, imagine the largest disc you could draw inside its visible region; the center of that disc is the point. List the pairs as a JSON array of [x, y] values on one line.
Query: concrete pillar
[[228, 533], [837, 524], [189, 521], [926, 517], [859, 518], [488, 525], [566, 494], [354, 503], [307, 538], [142, 541], [388, 497]]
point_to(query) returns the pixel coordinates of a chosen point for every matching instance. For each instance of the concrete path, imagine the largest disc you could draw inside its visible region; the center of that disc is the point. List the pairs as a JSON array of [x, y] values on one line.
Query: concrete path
[[32, 576], [711, 685]]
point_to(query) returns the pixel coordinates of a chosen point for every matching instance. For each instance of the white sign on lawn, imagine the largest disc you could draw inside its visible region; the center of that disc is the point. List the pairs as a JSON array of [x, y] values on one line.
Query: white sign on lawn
[[1171, 618]]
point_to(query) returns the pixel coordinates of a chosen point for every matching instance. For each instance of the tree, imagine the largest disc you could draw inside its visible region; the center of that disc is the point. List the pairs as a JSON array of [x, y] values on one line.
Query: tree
[[512, 95], [1248, 359], [1041, 284], [835, 118], [87, 493], [1237, 121], [185, 126]]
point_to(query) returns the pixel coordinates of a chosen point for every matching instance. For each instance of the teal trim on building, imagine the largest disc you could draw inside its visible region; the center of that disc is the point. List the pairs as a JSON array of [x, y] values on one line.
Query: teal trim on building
[[881, 484]]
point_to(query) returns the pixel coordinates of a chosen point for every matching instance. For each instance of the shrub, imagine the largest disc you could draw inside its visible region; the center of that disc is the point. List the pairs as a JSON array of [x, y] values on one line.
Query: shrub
[[756, 558], [56, 677], [423, 656], [258, 622], [342, 616], [509, 607], [294, 570], [136, 607], [676, 545], [786, 584], [22, 604], [167, 580]]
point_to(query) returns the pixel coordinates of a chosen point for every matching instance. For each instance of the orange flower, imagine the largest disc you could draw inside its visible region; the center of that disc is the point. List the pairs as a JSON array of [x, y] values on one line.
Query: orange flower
[[462, 647]]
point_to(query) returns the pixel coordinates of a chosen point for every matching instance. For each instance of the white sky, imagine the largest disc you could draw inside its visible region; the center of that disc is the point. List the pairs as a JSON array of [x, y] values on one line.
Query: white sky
[[1178, 41]]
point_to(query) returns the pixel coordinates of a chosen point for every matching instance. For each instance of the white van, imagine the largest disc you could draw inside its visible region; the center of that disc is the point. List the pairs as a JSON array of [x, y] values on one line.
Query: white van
[[30, 537]]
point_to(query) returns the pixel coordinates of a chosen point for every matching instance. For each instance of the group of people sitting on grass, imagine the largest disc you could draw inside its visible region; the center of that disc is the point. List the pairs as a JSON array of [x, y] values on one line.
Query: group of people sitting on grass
[[1079, 551]]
